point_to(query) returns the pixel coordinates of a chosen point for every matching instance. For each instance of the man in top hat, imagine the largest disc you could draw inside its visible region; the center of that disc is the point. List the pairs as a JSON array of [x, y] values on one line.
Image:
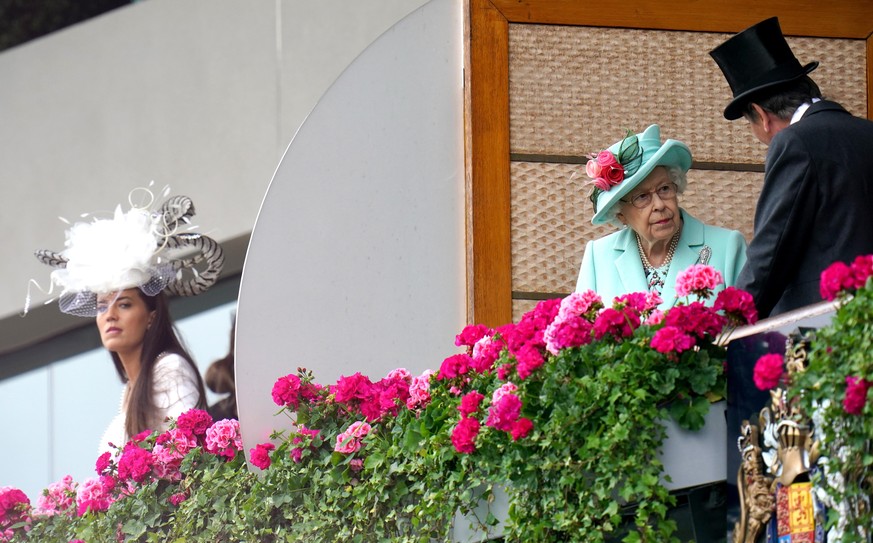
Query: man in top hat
[[816, 206]]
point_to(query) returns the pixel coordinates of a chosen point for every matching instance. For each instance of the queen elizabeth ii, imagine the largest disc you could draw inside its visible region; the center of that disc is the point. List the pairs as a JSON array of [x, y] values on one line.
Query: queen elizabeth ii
[[637, 182]]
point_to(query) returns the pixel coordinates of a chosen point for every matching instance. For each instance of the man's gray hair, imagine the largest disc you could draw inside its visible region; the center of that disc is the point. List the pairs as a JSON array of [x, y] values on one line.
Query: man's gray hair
[[782, 100]]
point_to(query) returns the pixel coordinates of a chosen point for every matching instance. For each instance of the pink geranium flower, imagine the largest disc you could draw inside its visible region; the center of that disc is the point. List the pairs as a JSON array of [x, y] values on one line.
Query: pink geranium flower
[[14, 508], [504, 412], [104, 462], [504, 370], [579, 304], [168, 471], [695, 319], [169, 450], [352, 388], [531, 327], [635, 301], [670, 339], [58, 498], [350, 441], [173, 445], [619, 324], [455, 366], [194, 422], [656, 317], [653, 300], [471, 334], [470, 403], [485, 352], [373, 400], [568, 332], [862, 269], [768, 371], [836, 278], [392, 393], [521, 428], [464, 435], [178, 498], [286, 391], [698, 279], [260, 455], [94, 495], [135, 463], [738, 306], [529, 360], [503, 390], [223, 438], [419, 391], [401, 374], [346, 444], [856, 395]]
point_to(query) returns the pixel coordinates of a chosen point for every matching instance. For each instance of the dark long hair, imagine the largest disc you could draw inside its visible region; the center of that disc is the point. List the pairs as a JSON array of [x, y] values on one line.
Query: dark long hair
[[160, 338]]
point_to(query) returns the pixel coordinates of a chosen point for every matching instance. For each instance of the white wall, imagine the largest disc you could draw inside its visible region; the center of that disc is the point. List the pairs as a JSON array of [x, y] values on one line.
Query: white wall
[[357, 261], [202, 95]]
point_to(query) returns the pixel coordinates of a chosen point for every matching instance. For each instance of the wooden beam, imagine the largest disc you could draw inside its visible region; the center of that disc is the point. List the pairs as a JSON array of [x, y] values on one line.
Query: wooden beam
[[870, 77], [843, 19], [489, 273]]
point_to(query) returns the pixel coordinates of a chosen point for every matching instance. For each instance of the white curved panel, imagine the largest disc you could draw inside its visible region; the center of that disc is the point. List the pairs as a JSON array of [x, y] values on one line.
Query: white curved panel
[[356, 262]]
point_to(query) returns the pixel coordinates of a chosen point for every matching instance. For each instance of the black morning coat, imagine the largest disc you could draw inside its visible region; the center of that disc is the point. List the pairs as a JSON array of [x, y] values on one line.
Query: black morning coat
[[816, 207]]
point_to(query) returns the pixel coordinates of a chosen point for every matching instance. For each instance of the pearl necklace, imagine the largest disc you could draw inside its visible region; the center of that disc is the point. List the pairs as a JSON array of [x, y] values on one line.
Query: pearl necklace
[[657, 275]]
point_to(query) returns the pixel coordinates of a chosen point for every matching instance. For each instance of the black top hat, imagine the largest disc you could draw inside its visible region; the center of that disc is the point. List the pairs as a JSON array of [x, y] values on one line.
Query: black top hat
[[754, 59]]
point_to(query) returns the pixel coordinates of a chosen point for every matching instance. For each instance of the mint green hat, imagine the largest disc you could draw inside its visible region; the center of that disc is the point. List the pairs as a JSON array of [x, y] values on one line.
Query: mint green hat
[[639, 158]]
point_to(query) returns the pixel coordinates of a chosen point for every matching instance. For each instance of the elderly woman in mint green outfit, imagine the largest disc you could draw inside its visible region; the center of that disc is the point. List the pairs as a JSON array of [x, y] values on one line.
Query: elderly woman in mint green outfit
[[637, 182]]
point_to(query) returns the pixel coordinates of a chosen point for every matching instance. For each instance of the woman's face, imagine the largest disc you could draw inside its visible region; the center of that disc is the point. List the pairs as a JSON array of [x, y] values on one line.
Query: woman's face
[[122, 318], [658, 220]]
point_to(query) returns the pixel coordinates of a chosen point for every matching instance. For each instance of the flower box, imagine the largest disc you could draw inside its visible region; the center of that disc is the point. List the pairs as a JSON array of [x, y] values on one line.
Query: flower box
[[696, 458], [690, 459]]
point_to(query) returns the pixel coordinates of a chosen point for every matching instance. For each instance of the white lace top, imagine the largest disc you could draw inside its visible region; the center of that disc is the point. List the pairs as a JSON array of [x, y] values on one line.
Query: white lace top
[[175, 391]]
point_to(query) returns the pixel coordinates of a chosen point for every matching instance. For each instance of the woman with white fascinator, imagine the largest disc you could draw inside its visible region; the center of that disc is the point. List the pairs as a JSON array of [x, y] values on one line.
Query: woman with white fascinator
[[118, 270]]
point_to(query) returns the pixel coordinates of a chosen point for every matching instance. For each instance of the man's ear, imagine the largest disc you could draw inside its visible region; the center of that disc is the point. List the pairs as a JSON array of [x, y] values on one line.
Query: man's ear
[[766, 120], [770, 123]]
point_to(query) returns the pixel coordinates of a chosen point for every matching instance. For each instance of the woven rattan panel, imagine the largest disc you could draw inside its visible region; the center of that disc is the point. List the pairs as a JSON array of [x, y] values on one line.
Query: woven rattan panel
[[551, 218], [574, 90], [520, 307]]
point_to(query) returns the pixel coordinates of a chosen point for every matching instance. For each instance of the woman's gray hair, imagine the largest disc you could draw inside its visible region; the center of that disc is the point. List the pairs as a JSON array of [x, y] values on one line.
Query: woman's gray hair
[[676, 175]]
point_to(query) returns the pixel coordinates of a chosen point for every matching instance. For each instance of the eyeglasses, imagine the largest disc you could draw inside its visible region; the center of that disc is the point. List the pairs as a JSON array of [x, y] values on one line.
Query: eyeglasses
[[666, 191]]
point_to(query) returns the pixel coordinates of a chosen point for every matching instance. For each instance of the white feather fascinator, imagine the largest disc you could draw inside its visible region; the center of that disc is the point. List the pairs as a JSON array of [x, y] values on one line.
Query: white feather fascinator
[[143, 247]]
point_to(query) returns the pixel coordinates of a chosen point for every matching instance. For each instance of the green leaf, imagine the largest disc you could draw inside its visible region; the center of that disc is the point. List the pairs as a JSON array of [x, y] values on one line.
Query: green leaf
[[375, 460], [690, 414], [703, 378]]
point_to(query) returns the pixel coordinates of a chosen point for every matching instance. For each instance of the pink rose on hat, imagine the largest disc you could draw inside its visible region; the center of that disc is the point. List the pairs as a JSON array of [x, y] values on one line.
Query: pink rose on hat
[[605, 170]]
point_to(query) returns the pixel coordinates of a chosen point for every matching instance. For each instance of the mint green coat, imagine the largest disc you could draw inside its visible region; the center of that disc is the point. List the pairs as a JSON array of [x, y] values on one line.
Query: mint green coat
[[611, 265]]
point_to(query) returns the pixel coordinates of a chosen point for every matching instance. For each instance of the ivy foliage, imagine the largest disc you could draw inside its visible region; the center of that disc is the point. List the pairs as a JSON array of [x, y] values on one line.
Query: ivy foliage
[[839, 351]]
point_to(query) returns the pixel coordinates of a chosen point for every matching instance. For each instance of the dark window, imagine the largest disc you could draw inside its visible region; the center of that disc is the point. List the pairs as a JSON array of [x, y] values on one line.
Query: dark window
[[25, 20]]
